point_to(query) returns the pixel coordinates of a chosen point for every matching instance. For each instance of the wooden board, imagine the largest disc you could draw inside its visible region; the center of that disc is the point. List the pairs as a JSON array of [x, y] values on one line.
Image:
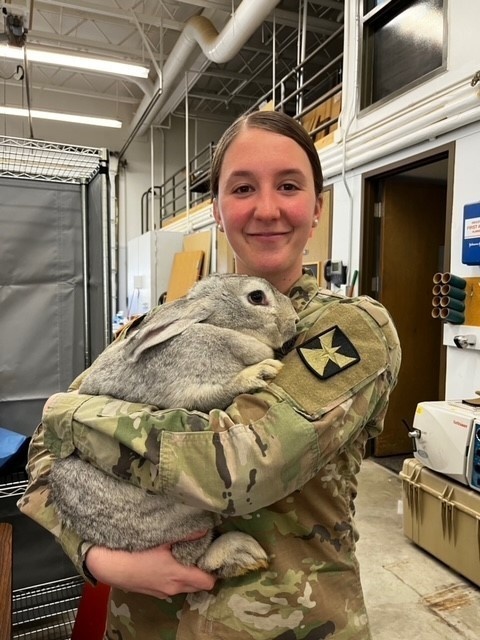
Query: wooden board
[[225, 257], [185, 272], [325, 112], [201, 241], [472, 302], [318, 248], [6, 559]]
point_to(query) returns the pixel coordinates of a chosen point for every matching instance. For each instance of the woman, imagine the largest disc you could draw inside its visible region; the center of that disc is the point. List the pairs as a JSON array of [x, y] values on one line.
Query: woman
[[305, 434]]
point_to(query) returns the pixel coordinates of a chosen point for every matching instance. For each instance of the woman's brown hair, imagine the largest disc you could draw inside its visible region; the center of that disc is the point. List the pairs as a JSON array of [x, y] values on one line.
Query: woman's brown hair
[[276, 122]]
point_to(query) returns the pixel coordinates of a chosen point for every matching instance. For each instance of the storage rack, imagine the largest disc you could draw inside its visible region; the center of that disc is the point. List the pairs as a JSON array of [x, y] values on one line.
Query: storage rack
[[44, 604], [47, 161], [44, 611]]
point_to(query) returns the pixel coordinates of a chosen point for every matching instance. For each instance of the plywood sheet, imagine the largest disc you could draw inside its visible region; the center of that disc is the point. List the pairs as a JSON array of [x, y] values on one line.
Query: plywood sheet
[[201, 241], [318, 248], [225, 257], [472, 302], [185, 272]]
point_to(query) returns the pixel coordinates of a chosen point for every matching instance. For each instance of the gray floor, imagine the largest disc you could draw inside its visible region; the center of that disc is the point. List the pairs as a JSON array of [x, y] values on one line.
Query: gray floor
[[409, 594]]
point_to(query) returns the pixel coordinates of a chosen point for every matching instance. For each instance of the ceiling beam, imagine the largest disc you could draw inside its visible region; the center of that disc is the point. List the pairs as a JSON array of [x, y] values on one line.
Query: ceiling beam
[[227, 98], [113, 16], [282, 17], [75, 92], [87, 46], [338, 5], [232, 75]]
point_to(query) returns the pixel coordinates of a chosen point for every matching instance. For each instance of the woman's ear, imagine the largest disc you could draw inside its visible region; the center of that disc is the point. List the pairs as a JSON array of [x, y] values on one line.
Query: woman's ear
[[317, 212], [216, 213], [318, 208]]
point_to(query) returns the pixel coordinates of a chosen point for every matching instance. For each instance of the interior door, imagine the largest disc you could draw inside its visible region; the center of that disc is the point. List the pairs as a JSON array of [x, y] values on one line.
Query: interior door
[[410, 249]]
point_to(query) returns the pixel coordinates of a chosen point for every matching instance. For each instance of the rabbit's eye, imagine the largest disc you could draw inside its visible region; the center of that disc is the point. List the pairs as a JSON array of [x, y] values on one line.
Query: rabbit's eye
[[257, 297]]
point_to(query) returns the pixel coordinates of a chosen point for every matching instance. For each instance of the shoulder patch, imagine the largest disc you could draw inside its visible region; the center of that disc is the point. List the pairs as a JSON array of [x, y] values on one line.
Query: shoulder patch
[[341, 352], [328, 353]]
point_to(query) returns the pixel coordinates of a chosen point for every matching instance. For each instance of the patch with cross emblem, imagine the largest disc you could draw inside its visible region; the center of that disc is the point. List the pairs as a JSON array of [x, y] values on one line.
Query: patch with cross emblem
[[328, 353]]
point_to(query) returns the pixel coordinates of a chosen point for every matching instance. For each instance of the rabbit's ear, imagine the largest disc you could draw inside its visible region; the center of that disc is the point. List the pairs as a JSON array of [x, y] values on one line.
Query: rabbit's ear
[[170, 320]]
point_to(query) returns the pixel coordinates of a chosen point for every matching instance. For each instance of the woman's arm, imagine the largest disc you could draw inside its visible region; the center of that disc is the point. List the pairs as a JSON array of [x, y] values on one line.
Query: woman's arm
[[265, 446], [153, 572], [226, 461]]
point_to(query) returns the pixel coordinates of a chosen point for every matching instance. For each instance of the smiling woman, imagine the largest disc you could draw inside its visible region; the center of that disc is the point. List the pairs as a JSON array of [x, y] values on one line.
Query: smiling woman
[[266, 196], [279, 463]]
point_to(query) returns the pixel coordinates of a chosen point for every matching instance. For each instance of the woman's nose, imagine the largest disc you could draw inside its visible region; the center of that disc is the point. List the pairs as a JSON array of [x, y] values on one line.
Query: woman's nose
[[266, 206]]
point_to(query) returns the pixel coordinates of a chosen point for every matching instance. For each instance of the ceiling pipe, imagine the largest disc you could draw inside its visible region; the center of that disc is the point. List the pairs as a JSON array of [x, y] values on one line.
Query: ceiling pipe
[[217, 47]]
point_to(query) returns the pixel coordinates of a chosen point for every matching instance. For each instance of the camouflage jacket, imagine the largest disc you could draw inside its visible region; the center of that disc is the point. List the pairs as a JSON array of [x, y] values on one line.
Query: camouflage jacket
[[280, 464]]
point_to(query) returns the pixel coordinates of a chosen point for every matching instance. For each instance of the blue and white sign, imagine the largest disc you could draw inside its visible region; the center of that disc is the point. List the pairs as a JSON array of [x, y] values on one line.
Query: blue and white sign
[[471, 234]]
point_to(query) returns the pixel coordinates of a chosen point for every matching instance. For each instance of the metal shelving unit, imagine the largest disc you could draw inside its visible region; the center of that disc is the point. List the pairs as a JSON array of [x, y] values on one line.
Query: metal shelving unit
[[46, 611], [43, 611]]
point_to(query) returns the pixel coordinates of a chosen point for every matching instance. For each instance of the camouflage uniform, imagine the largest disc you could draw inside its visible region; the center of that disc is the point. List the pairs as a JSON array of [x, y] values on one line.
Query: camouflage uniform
[[280, 464]]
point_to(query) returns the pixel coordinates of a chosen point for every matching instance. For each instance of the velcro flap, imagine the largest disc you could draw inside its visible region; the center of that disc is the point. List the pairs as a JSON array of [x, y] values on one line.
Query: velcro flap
[[344, 350]]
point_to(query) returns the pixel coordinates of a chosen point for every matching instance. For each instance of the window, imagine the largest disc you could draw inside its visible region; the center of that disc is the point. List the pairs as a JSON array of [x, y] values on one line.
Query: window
[[404, 43]]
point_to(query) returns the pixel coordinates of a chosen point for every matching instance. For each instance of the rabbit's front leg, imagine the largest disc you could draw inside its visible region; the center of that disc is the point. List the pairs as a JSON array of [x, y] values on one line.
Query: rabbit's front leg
[[233, 554], [256, 375]]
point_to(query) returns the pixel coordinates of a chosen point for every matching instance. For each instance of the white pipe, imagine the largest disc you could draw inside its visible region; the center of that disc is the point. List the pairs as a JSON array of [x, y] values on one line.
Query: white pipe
[[417, 136], [353, 112], [152, 180], [413, 124], [434, 110], [438, 110], [187, 155], [274, 57], [217, 47]]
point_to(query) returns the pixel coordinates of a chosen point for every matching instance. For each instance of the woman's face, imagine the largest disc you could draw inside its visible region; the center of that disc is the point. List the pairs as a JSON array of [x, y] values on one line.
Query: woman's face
[[266, 205]]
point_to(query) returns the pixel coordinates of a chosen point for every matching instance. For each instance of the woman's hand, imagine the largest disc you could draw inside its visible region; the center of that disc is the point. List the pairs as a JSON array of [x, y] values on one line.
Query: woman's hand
[[154, 572]]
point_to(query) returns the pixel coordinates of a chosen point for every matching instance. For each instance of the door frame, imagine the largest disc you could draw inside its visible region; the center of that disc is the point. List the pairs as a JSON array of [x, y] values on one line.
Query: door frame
[[370, 181]]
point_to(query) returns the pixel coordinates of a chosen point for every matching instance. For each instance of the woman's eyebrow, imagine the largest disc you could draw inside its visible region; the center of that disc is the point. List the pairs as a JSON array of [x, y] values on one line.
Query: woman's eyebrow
[[291, 172], [240, 173], [246, 173]]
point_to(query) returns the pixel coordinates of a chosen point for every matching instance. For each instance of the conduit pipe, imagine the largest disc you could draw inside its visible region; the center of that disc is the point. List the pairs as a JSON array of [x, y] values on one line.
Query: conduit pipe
[[217, 47], [433, 124], [448, 101]]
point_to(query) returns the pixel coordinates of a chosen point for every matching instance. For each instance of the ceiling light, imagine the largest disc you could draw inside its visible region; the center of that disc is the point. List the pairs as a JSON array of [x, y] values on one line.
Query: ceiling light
[[61, 117], [79, 62]]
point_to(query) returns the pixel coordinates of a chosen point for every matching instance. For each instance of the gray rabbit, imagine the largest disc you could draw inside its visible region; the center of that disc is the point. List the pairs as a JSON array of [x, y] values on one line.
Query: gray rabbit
[[198, 352]]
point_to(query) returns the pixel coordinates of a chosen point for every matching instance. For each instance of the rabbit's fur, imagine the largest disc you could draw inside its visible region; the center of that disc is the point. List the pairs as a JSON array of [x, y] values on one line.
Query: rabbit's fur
[[198, 352]]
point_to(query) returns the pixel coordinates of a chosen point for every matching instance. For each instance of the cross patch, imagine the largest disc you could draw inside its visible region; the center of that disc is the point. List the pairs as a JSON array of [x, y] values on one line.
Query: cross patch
[[328, 353]]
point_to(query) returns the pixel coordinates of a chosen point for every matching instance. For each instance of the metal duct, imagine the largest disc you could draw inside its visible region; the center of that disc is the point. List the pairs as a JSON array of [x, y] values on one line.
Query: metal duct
[[217, 47]]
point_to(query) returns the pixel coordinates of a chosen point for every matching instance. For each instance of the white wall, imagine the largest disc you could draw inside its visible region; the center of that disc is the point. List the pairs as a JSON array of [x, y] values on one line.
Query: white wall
[[442, 110], [169, 155], [463, 367]]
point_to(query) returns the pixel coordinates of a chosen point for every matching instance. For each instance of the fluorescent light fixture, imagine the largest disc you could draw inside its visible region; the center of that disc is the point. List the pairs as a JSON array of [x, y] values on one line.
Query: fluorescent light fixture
[[63, 117], [79, 62]]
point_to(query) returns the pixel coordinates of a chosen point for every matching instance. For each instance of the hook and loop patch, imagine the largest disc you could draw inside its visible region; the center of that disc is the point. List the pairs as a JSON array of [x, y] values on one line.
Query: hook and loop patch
[[328, 353]]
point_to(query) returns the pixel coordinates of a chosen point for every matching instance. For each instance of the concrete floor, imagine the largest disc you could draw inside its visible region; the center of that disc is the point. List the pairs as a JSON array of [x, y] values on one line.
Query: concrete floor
[[409, 594]]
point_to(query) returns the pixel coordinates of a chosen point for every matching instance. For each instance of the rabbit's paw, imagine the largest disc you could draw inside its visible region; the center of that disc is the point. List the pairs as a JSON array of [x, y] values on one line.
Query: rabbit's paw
[[255, 376], [233, 554]]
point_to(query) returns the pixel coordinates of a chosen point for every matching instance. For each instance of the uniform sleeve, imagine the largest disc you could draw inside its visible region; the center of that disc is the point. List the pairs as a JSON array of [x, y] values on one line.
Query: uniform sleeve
[[35, 502], [266, 445]]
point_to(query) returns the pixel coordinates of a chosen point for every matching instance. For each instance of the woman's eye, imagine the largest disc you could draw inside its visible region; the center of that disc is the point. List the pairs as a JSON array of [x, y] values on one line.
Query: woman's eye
[[288, 186], [257, 297], [244, 188]]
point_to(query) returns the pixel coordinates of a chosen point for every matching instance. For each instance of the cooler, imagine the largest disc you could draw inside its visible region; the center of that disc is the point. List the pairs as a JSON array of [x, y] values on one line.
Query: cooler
[[442, 517]]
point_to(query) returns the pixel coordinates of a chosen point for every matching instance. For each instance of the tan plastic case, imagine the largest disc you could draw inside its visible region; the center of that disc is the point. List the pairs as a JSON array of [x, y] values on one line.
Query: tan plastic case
[[443, 517]]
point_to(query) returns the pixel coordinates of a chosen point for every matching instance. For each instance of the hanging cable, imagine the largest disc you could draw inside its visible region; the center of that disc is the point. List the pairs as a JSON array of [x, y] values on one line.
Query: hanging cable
[[16, 75], [27, 91]]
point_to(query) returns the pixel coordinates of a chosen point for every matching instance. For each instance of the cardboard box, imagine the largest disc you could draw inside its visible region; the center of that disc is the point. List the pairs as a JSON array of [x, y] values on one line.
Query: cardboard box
[[443, 517]]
